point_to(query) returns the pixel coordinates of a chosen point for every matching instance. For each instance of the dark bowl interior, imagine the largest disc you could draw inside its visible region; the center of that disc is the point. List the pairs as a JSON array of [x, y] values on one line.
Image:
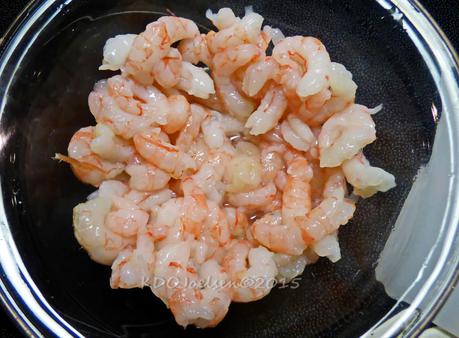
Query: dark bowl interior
[[47, 103]]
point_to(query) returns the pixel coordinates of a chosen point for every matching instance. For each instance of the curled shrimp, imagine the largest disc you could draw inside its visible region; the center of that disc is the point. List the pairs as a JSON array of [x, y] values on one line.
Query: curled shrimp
[[277, 236], [91, 228], [154, 43], [205, 306], [195, 81], [311, 55], [146, 177], [228, 61], [245, 265], [232, 99], [167, 70], [365, 179], [296, 197], [240, 31], [88, 166], [163, 154], [192, 127], [195, 50], [255, 199], [268, 113], [134, 267], [334, 210], [297, 133], [237, 221], [258, 74], [127, 108], [345, 134]]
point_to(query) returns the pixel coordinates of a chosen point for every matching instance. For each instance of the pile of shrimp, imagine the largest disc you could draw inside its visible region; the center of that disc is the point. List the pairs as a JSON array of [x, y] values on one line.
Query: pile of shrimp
[[217, 162]]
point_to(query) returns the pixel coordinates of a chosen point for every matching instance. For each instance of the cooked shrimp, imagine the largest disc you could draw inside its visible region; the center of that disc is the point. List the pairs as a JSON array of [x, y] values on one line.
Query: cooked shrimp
[[195, 50], [297, 133], [224, 18], [192, 127], [365, 179], [102, 244], [228, 61], [126, 218], [334, 210], [195, 207], [110, 147], [219, 181], [312, 56], [328, 247], [296, 197], [146, 177], [209, 176], [168, 69], [195, 81], [255, 199], [178, 115], [289, 266], [237, 221], [233, 100], [116, 51], [253, 268], [258, 74], [154, 43], [163, 155], [124, 114], [268, 113], [204, 307], [88, 166], [245, 30], [134, 268], [277, 236], [213, 131], [172, 265], [345, 134]]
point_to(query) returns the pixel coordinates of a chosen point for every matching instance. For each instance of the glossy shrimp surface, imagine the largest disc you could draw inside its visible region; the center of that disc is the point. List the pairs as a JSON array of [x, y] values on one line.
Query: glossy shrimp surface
[[221, 168]]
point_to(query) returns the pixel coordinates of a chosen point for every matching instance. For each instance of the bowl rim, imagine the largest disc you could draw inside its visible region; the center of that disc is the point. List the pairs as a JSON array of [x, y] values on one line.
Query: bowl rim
[[31, 312]]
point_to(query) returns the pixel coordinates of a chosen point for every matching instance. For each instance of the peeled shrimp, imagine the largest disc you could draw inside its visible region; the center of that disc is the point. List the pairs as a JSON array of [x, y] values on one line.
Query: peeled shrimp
[[233, 100], [195, 50], [313, 58], [277, 236], [192, 127], [195, 81], [154, 43], [253, 268], [163, 155], [334, 210], [240, 31], [328, 247], [296, 197], [89, 223], [134, 268], [88, 166], [203, 307], [228, 61], [365, 179], [268, 113], [345, 134], [255, 199], [116, 51], [168, 69], [146, 177], [297, 133], [258, 74]]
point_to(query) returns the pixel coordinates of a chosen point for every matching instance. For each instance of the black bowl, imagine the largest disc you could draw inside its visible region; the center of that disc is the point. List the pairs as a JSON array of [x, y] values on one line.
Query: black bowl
[[46, 81]]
